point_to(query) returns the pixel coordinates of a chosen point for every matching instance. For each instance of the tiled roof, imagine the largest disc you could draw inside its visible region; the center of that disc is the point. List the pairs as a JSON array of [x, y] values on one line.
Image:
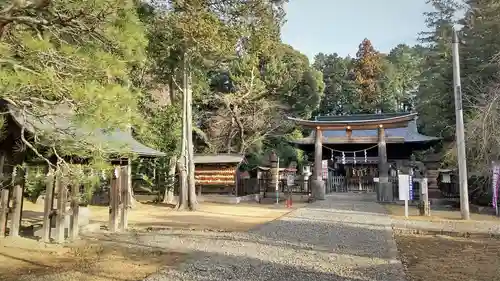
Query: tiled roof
[[361, 117], [410, 134], [59, 123]]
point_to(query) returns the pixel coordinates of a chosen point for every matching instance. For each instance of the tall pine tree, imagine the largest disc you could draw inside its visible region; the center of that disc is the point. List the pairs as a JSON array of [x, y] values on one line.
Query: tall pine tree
[[368, 72], [340, 89], [434, 100]]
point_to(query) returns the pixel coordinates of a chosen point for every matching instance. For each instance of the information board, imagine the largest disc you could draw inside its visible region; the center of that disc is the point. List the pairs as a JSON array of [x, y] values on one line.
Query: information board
[[404, 186]]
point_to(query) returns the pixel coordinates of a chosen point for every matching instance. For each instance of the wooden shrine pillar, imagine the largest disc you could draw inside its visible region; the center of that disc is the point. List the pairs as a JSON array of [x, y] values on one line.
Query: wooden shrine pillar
[[318, 187], [318, 154], [18, 181], [119, 198], [384, 188], [114, 200], [48, 204], [125, 196]]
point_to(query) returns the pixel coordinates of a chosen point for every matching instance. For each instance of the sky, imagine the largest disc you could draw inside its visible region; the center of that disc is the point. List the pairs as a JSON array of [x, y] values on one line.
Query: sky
[[339, 26]]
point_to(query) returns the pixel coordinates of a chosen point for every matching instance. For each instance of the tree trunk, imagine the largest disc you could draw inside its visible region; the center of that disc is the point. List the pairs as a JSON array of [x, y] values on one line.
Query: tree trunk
[[241, 129], [190, 147], [183, 163], [171, 89], [132, 201], [183, 192], [168, 198]]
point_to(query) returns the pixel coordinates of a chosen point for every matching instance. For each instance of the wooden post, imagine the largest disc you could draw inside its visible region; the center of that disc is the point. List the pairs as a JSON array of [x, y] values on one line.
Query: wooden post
[[62, 198], [75, 209], [425, 208], [318, 155], [17, 196], [318, 187], [114, 200], [273, 180], [125, 204], [348, 132], [236, 183], [4, 210], [48, 205], [384, 190]]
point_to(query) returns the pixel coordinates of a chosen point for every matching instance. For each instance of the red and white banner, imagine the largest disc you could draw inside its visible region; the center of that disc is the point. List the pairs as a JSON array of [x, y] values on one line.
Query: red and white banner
[[324, 169]]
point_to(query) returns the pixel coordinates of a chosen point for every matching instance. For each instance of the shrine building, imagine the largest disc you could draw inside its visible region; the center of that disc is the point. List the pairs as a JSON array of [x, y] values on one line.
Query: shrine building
[[365, 150]]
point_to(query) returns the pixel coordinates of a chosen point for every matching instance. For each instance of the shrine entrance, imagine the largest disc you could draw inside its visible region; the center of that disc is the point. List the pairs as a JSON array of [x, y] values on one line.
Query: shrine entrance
[[360, 178], [356, 147]]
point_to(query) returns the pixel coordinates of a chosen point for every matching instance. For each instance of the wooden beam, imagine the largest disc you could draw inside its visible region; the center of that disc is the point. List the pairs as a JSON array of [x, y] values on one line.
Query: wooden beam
[[392, 122], [48, 205], [318, 154], [4, 210], [354, 127], [18, 181], [125, 196], [384, 190], [62, 198], [353, 140], [74, 227], [2, 163], [17, 199], [348, 132], [114, 200]]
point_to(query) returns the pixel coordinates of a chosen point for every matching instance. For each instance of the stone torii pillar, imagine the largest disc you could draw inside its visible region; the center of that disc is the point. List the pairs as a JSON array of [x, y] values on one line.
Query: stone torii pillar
[[384, 190], [317, 183]]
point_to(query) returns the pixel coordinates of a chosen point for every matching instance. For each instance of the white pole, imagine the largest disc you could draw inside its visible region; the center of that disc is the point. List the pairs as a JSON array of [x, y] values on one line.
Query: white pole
[[278, 182], [460, 135], [406, 208]]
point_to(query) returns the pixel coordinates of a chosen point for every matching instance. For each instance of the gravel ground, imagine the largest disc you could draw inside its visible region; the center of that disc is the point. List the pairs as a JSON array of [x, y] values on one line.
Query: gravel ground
[[346, 237], [472, 227]]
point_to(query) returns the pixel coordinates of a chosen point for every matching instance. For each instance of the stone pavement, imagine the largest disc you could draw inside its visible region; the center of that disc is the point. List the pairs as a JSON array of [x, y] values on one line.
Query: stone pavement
[[345, 237]]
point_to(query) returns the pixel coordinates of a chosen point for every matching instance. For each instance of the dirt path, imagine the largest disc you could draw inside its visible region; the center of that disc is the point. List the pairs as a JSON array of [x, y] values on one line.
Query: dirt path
[[346, 237], [92, 259]]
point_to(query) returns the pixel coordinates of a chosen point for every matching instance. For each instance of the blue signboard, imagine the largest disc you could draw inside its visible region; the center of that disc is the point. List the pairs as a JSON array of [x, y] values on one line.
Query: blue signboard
[[411, 188]]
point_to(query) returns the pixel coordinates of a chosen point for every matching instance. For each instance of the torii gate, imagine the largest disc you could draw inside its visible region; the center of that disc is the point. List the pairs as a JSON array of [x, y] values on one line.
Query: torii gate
[[386, 121]]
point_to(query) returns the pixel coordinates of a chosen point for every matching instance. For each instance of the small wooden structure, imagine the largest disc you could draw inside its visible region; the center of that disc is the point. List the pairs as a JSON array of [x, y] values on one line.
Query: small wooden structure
[[216, 174], [59, 181]]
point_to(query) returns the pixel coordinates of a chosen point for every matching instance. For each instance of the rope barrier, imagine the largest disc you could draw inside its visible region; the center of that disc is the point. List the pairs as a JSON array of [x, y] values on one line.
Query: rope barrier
[[349, 152]]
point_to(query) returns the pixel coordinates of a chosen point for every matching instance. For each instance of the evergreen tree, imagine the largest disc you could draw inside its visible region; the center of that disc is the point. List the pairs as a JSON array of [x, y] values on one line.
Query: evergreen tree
[[75, 55], [340, 89], [434, 100], [368, 73]]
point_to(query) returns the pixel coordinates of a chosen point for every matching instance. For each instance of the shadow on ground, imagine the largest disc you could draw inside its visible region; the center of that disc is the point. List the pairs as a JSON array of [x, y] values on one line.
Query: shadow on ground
[[217, 267], [84, 261]]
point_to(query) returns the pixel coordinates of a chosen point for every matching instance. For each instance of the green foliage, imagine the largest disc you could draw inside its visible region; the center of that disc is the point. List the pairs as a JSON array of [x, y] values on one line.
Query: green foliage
[[370, 83], [404, 76], [35, 182], [434, 99], [244, 79], [340, 89], [73, 56], [368, 72]]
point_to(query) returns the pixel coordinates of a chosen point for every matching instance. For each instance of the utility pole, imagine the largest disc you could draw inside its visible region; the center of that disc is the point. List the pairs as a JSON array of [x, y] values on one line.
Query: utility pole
[[460, 136]]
